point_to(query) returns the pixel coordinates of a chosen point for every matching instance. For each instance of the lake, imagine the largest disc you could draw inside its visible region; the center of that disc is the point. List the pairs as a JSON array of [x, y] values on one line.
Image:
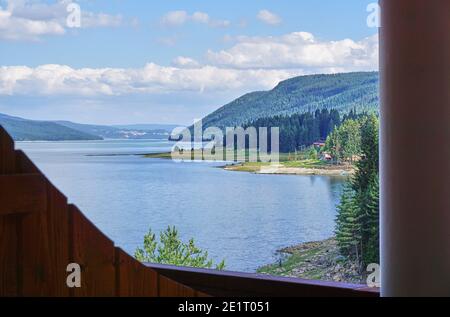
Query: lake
[[240, 217]]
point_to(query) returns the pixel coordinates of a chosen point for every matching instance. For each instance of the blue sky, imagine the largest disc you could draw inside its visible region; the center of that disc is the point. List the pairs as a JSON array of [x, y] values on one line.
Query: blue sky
[[171, 61]]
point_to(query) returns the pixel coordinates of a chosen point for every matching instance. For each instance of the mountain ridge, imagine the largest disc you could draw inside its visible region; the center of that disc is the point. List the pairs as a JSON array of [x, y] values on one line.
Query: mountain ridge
[[112, 132], [23, 129], [33, 130], [343, 92]]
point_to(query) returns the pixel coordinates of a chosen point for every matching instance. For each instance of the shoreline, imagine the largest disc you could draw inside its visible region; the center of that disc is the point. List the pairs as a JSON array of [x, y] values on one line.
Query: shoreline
[[319, 260], [280, 169], [302, 167]]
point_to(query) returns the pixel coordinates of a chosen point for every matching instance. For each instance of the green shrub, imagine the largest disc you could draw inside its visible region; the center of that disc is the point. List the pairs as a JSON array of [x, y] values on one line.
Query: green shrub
[[171, 250]]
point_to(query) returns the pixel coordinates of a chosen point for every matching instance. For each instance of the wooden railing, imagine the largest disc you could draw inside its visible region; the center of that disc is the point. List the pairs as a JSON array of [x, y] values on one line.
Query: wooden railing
[[40, 234], [224, 284]]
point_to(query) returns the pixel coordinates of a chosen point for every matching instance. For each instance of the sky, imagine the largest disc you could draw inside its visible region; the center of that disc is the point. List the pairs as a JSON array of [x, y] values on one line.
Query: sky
[[171, 61]]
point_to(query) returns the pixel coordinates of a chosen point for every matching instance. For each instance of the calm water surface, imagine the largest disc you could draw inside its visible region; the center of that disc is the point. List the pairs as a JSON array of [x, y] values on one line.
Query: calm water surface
[[241, 217]]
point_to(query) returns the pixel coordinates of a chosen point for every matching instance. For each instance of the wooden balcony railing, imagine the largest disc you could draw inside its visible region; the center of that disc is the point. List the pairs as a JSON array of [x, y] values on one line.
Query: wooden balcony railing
[[40, 234]]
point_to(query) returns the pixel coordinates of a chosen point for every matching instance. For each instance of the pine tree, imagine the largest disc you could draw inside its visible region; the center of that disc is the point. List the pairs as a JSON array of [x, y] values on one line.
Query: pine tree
[[348, 229], [351, 139], [365, 185], [357, 223], [373, 223]]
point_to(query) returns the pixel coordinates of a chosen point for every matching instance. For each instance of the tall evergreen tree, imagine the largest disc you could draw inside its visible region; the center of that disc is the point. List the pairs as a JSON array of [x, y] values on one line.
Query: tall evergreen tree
[[348, 228], [372, 248], [358, 213], [344, 142], [363, 183]]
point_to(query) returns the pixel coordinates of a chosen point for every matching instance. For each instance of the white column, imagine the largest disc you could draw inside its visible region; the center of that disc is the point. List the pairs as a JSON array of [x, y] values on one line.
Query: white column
[[415, 147]]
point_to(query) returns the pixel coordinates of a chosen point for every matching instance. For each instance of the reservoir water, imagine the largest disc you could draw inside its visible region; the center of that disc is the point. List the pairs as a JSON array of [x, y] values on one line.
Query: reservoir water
[[240, 217]]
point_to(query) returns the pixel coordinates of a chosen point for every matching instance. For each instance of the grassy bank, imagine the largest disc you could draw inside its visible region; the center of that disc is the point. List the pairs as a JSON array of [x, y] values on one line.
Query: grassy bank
[[208, 155], [298, 167], [289, 164], [162, 155], [315, 261]]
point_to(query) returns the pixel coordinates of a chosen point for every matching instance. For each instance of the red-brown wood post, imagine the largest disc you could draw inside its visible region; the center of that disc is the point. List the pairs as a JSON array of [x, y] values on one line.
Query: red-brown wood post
[[415, 147]]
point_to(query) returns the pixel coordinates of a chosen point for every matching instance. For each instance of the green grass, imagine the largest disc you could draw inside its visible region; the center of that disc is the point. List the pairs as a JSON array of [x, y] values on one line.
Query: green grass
[[308, 163], [315, 261], [248, 167], [256, 167], [227, 155], [287, 160], [292, 262], [167, 155]]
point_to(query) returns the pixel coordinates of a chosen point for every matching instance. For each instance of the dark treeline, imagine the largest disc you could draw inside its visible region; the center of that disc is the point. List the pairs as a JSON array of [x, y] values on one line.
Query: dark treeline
[[297, 131], [301, 130]]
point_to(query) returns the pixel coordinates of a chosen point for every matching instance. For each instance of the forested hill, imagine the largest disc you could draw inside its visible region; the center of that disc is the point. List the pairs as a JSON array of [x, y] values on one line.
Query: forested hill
[[30, 130], [343, 92]]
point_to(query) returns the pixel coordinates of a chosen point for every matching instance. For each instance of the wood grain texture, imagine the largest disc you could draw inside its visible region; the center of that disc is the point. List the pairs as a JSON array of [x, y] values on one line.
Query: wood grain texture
[[46, 242], [24, 165], [226, 284], [133, 278], [7, 155], [95, 253], [26, 193], [170, 288], [58, 232], [9, 248]]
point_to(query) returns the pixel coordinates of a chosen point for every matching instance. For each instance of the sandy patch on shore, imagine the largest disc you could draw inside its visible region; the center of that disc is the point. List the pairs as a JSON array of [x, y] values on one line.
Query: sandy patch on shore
[[280, 169]]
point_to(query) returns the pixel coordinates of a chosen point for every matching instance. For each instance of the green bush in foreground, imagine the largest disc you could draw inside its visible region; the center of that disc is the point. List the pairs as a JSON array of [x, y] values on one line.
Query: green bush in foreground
[[171, 250]]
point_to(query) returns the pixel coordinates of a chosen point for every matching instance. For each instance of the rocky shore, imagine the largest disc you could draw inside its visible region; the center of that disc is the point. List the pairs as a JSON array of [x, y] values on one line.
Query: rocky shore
[[317, 261]]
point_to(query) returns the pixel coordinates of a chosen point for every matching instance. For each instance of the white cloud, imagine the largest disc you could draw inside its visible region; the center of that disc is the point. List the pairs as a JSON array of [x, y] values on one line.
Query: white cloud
[[175, 18], [179, 18], [201, 17], [151, 79], [253, 63], [14, 28], [298, 50], [37, 10], [92, 20], [30, 20], [269, 17], [185, 62]]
